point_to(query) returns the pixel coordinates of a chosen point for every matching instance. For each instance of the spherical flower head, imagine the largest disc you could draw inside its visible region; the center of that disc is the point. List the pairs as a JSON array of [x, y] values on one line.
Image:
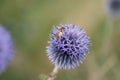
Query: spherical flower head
[[68, 46], [6, 48], [112, 7]]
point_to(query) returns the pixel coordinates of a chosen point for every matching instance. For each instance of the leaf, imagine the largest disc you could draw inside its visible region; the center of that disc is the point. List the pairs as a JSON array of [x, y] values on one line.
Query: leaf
[[42, 77]]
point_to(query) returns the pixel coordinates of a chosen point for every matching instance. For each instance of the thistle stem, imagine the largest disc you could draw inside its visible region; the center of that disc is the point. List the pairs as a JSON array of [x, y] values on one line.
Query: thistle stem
[[108, 35], [55, 70], [52, 75]]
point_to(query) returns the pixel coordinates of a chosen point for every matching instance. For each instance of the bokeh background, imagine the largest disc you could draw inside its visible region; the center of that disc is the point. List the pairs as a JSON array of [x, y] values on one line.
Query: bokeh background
[[30, 22]]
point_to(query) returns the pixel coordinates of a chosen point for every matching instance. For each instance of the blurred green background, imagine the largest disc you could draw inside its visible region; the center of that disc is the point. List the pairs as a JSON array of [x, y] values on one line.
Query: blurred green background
[[30, 22]]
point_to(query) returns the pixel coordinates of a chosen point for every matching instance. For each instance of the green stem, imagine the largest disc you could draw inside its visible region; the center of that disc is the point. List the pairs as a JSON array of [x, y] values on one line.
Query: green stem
[[108, 35], [52, 75]]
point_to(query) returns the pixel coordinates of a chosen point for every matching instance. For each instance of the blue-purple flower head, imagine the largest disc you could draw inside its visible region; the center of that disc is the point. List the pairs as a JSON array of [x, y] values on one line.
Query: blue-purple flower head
[[112, 7], [68, 46], [6, 48]]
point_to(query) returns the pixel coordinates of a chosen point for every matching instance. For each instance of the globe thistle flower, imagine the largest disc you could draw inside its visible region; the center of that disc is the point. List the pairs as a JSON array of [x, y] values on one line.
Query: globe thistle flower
[[68, 46], [112, 7], [6, 48]]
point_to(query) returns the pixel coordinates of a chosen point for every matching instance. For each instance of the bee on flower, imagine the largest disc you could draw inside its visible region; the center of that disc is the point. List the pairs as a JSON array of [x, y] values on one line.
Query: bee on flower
[[68, 46]]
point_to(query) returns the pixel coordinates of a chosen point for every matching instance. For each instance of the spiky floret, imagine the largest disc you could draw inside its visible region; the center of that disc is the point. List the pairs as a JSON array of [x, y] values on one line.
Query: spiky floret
[[68, 46], [6, 48]]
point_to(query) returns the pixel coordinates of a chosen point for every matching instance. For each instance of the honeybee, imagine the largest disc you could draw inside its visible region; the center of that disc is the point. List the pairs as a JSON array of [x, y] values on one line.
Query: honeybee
[[59, 32]]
